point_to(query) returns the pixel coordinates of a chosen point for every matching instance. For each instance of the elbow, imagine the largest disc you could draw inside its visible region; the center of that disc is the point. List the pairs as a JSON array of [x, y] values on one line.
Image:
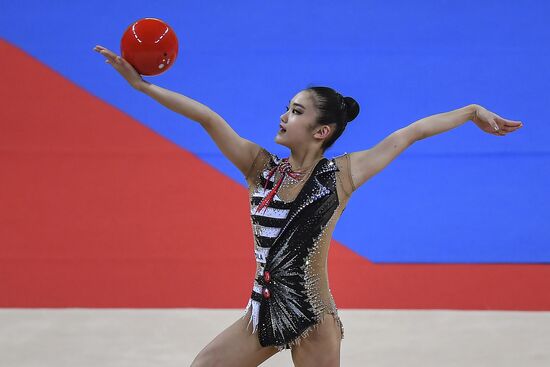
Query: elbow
[[206, 117], [419, 132]]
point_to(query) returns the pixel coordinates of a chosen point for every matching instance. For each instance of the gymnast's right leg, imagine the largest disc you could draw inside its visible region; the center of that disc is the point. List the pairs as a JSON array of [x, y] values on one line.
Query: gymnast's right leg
[[235, 346]]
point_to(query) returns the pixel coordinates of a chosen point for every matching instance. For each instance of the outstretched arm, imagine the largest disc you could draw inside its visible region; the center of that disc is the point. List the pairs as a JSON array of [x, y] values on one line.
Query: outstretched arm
[[367, 163], [241, 152]]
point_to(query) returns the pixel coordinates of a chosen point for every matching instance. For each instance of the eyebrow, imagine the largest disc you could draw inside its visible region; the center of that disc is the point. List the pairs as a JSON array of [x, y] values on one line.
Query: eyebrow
[[297, 104]]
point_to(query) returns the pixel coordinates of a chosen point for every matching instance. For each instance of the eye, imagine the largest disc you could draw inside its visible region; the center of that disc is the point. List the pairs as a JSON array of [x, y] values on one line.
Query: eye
[[293, 110]]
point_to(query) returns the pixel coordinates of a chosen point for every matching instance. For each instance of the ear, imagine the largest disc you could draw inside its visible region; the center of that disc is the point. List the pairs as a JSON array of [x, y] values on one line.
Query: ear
[[322, 132]]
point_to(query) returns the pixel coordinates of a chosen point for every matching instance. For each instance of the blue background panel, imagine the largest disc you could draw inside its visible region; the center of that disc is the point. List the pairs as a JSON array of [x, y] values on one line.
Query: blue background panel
[[462, 196]]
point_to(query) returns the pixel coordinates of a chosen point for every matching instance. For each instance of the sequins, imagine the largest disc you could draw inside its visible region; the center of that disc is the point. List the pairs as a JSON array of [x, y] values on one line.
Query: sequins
[[289, 295], [266, 231]]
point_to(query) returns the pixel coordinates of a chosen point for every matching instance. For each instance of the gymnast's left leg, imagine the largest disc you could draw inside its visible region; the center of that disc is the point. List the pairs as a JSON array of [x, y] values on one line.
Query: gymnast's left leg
[[321, 348], [236, 346]]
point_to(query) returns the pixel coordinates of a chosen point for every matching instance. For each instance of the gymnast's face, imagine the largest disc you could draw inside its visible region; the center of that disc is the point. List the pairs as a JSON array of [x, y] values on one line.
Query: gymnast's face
[[298, 122]]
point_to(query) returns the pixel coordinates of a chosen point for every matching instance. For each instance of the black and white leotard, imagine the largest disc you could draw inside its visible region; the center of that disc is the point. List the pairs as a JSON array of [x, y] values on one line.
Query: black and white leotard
[[292, 234]]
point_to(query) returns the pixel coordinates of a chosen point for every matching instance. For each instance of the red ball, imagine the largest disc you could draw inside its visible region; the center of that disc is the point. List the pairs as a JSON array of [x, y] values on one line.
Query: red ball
[[150, 46]]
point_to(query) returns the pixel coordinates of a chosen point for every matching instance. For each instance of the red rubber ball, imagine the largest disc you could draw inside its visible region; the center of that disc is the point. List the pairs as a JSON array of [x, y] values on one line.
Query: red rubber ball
[[150, 46]]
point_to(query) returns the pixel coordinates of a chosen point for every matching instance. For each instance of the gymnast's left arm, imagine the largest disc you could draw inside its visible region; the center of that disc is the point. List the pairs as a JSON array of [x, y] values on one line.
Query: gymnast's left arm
[[367, 163]]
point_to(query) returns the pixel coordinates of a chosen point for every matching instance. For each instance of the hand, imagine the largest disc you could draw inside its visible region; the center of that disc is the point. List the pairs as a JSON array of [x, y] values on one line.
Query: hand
[[122, 66], [494, 124]]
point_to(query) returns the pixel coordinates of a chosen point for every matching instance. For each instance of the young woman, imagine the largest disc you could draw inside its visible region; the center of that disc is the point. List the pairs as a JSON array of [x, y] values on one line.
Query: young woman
[[295, 203]]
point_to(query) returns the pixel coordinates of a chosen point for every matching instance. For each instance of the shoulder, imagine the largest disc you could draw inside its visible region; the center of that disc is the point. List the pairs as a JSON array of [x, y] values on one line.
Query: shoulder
[[263, 160], [341, 161], [343, 164]]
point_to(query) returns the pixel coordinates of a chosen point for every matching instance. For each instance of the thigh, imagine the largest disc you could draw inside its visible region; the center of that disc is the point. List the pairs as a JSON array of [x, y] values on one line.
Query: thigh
[[234, 346], [321, 348]]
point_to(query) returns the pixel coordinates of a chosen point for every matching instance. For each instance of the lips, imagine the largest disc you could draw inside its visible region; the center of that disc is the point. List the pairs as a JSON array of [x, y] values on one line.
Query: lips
[[281, 128]]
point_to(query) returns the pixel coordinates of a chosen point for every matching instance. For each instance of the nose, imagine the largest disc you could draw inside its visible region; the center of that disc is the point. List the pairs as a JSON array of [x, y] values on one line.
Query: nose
[[283, 116]]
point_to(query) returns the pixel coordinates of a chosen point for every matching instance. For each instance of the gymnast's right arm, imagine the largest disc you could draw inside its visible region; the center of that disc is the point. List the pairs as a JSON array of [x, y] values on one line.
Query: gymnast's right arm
[[241, 152]]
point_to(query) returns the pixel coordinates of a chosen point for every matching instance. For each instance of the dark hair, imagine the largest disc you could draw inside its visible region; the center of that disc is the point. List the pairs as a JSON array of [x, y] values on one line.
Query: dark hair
[[333, 109]]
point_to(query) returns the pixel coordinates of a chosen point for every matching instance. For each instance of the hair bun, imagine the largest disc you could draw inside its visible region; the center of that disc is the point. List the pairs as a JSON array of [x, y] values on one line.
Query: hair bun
[[352, 108]]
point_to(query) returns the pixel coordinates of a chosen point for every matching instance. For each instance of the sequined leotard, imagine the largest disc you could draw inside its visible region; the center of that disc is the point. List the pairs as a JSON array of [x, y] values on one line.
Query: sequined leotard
[[290, 292]]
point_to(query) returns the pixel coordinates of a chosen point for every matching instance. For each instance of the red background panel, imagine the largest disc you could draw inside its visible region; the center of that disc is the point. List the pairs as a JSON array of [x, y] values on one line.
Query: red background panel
[[99, 211]]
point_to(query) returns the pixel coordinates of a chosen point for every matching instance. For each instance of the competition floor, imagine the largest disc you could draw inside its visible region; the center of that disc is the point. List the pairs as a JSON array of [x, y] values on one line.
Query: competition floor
[[172, 337], [111, 200]]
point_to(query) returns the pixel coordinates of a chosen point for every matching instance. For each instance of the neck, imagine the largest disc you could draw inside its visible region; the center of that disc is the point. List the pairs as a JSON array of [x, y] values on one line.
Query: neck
[[300, 161]]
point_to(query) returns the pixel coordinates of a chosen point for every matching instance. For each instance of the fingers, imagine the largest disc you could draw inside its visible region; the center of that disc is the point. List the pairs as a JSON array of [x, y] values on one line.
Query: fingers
[[505, 126], [110, 55], [103, 50], [510, 123], [123, 61], [508, 126], [504, 130], [498, 133], [113, 57]]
